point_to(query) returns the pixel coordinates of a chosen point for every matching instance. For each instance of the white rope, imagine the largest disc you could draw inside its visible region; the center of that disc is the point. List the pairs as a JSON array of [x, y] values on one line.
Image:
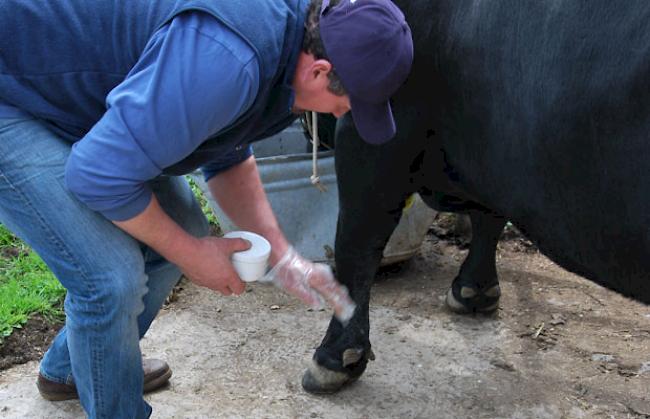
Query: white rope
[[313, 127]]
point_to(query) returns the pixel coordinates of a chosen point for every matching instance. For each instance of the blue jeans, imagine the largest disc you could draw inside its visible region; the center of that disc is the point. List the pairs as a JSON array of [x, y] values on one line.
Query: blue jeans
[[115, 284]]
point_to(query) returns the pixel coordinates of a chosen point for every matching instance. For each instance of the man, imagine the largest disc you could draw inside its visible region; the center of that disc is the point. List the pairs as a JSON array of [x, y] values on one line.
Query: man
[[102, 104]]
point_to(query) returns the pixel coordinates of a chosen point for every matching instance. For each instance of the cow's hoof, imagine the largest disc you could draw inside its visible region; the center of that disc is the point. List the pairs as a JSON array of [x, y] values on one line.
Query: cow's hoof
[[320, 380], [468, 299]]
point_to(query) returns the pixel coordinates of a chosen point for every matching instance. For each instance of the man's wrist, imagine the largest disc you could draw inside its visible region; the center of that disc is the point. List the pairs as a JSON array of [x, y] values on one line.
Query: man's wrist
[[182, 249], [279, 249]]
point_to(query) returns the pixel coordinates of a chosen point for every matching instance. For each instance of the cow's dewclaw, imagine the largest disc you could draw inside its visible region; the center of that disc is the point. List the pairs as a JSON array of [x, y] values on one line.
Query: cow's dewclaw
[[351, 356]]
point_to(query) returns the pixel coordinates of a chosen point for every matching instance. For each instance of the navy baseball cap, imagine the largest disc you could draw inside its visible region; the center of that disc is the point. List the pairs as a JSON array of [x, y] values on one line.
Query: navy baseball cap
[[370, 47]]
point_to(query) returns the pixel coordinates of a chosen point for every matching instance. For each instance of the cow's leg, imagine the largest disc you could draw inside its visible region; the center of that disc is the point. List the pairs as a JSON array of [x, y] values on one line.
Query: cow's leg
[[371, 197], [476, 288]]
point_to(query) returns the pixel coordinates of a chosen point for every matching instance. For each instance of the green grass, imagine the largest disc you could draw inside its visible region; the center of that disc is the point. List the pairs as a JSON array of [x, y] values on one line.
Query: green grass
[[27, 286], [212, 219]]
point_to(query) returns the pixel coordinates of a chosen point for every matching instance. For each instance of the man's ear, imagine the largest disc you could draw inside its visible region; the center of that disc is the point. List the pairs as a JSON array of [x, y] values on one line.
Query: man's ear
[[320, 68]]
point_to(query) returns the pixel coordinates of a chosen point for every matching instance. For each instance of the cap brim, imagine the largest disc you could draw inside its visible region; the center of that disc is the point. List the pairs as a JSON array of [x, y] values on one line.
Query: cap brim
[[374, 122]]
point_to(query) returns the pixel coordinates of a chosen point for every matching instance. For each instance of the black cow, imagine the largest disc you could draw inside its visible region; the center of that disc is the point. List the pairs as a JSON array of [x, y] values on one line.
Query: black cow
[[537, 112]]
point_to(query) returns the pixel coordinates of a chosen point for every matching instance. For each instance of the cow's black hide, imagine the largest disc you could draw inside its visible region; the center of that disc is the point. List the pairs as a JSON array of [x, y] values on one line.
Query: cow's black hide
[[537, 112]]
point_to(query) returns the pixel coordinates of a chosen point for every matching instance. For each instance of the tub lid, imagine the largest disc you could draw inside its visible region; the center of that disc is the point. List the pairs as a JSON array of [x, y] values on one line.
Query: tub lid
[[259, 251]]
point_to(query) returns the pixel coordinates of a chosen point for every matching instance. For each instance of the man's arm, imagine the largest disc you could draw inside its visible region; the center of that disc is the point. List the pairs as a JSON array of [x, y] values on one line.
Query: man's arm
[[206, 261], [158, 115], [240, 194], [194, 79]]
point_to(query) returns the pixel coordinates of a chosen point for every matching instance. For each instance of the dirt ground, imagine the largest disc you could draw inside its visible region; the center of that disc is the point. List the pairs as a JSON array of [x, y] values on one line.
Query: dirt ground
[[28, 343], [559, 347]]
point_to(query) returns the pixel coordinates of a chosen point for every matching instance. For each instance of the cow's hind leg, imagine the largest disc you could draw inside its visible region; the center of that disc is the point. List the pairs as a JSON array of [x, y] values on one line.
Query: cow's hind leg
[[476, 288]]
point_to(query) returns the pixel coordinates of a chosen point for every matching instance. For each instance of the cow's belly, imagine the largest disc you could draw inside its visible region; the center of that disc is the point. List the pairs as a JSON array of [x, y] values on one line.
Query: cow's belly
[[584, 198]]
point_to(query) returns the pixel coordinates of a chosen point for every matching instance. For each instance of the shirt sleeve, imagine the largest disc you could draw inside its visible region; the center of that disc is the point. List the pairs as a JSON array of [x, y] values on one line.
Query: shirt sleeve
[[194, 78], [225, 162]]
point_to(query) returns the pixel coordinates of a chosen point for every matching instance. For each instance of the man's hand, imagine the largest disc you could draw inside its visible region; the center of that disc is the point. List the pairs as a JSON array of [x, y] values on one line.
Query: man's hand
[[210, 266], [312, 283], [205, 261]]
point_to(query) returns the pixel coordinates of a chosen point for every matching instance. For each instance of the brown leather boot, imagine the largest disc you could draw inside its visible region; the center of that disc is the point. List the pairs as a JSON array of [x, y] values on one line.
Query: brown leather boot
[[156, 375]]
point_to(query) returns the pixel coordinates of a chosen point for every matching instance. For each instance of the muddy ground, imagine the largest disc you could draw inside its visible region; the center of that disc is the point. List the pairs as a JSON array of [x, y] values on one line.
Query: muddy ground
[[559, 347]]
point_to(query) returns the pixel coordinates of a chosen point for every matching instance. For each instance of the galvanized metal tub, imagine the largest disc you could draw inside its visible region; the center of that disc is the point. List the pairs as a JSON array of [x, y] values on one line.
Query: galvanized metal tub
[[307, 215]]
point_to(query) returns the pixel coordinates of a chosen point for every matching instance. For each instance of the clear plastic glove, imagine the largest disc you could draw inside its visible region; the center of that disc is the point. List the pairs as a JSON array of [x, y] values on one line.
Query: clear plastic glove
[[312, 283]]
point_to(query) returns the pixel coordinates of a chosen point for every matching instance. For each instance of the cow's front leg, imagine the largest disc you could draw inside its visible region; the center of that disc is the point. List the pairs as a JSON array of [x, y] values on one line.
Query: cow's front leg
[[344, 352], [476, 288], [372, 193]]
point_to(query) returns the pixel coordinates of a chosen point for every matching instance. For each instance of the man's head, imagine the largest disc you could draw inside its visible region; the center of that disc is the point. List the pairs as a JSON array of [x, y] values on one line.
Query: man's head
[[356, 54]]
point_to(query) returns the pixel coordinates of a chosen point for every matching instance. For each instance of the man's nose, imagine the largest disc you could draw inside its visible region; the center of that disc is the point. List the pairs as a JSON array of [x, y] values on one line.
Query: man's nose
[[340, 112]]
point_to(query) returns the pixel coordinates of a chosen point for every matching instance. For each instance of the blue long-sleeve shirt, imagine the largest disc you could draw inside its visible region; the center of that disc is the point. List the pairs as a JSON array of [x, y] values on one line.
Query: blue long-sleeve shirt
[[194, 78]]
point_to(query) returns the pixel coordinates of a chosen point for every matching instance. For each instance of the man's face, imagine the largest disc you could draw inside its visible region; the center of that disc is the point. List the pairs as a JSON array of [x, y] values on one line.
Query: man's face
[[323, 101], [311, 92]]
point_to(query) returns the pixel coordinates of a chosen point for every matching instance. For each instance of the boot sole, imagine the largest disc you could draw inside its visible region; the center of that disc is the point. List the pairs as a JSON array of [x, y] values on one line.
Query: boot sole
[[158, 382], [58, 397], [151, 385]]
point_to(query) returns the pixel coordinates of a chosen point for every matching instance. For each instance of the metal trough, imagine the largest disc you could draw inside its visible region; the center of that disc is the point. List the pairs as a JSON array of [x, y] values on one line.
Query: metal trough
[[307, 215]]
